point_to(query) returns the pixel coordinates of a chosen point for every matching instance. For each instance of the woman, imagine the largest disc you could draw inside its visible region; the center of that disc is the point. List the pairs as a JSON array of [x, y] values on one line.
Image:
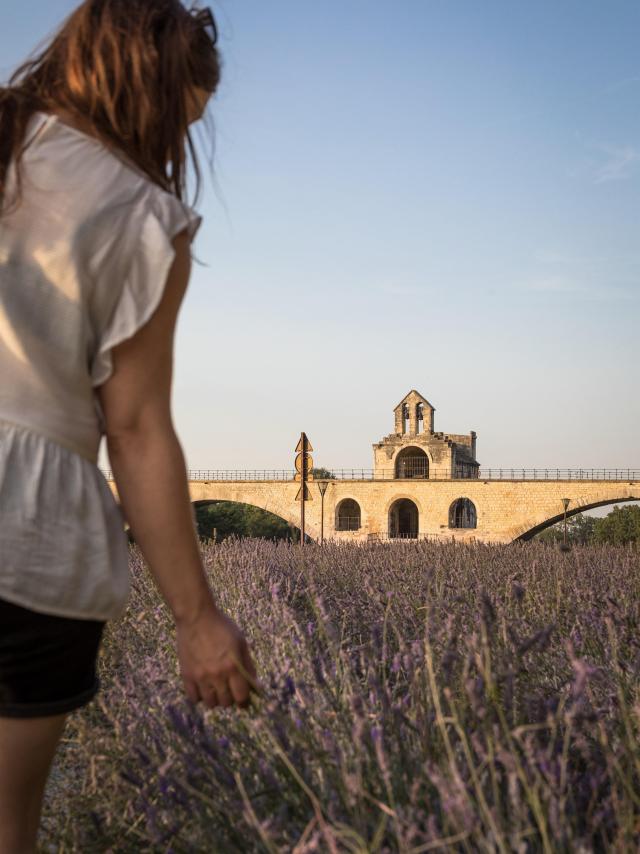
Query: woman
[[94, 262]]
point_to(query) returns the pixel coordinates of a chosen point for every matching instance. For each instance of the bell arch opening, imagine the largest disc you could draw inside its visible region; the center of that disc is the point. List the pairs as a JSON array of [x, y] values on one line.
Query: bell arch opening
[[412, 462], [405, 418], [462, 514], [348, 515], [404, 520]]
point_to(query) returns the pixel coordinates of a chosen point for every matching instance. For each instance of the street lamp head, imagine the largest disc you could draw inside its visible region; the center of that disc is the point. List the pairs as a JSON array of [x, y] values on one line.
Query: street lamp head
[[322, 486], [566, 502]]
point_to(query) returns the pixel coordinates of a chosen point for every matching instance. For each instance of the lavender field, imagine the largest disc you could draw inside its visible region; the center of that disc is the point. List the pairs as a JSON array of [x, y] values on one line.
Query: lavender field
[[418, 697]]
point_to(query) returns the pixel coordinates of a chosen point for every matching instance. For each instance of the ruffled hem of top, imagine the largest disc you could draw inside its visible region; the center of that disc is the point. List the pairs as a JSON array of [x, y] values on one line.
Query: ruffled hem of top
[[63, 548], [165, 218]]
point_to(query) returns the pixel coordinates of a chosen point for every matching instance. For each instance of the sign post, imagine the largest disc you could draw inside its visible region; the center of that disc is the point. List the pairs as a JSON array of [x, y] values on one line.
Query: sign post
[[565, 547], [304, 465], [322, 486]]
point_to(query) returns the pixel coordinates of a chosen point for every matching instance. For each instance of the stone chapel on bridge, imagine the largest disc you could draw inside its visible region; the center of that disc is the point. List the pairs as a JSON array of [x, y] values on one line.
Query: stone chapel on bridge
[[416, 450]]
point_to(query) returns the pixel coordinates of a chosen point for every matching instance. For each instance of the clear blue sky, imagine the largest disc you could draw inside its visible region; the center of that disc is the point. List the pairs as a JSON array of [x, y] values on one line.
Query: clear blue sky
[[426, 194]]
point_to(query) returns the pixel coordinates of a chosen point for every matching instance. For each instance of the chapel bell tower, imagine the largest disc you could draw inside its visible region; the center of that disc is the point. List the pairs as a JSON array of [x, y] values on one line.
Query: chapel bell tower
[[415, 450], [413, 415]]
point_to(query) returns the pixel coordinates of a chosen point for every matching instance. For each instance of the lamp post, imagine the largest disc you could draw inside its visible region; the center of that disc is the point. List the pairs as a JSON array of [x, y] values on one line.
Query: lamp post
[[565, 545], [322, 486]]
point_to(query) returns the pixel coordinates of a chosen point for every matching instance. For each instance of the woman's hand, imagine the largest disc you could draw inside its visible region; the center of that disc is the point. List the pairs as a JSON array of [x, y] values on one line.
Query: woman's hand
[[215, 660]]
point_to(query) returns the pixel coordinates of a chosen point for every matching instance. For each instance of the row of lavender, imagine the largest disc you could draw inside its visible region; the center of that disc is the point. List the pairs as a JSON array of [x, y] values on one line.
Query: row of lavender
[[419, 697]]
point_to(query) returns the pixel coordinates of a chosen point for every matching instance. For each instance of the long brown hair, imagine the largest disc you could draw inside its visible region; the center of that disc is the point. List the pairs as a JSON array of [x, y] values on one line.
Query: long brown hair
[[125, 70]]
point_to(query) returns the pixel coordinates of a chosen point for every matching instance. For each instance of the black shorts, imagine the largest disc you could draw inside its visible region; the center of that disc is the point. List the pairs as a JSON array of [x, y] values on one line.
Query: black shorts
[[47, 663]]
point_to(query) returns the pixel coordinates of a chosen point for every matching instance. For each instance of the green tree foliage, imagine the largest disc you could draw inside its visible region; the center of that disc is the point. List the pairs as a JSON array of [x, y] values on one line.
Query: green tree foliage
[[620, 527], [580, 530], [322, 474], [228, 518]]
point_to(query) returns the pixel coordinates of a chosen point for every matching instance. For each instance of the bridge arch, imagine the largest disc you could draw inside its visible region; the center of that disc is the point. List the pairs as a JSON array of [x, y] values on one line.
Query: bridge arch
[[207, 502], [251, 499], [537, 527], [410, 462]]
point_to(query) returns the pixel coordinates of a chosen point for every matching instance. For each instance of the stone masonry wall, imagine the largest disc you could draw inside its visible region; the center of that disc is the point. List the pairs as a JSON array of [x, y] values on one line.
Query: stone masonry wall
[[505, 509]]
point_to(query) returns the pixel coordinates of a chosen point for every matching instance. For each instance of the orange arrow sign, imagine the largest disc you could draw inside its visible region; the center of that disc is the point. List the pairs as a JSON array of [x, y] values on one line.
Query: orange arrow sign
[[300, 448]]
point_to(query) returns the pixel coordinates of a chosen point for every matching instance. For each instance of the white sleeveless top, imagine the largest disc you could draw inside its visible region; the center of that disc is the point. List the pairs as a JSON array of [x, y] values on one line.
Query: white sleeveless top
[[84, 260]]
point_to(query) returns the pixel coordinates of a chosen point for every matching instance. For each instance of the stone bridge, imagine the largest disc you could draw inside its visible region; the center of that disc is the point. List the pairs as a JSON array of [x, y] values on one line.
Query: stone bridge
[[495, 507]]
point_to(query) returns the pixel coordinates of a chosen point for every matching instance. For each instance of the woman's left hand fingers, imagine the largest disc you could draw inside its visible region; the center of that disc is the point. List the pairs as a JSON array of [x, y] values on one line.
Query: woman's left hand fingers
[[209, 696], [223, 691]]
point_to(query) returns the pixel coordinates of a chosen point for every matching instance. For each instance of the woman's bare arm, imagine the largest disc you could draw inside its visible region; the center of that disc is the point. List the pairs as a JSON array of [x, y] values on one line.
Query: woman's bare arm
[[149, 471]]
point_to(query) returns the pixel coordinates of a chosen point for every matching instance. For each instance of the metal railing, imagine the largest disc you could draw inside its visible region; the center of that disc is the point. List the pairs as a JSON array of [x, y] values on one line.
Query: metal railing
[[409, 468], [464, 471], [433, 538], [348, 523], [236, 474], [557, 474], [239, 475]]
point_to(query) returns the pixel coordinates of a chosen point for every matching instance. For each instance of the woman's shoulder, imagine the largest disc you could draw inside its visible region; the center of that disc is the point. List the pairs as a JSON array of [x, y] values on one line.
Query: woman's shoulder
[[95, 179], [56, 148]]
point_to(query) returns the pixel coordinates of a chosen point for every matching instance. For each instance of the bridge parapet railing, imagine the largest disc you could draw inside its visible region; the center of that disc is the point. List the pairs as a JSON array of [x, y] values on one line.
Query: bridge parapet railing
[[485, 474], [240, 475], [403, 538], [558, 474]]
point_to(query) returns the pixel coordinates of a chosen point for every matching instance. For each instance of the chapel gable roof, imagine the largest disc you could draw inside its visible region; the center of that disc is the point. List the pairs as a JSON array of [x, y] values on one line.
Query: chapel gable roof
[[415, 394]]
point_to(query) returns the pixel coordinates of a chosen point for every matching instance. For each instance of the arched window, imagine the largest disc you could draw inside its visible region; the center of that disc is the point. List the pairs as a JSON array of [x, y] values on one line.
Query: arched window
[[420, 417], [462, 514], [412, 462], [348, 515], [403, 520]]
